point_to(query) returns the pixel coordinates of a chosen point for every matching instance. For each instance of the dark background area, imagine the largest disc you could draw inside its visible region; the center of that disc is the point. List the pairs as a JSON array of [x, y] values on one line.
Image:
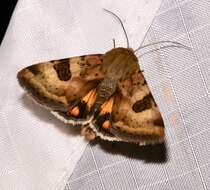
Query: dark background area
[[6, 9]]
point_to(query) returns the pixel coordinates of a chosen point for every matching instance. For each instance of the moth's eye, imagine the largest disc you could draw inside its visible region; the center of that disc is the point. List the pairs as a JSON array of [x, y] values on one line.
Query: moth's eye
[[96, 74]]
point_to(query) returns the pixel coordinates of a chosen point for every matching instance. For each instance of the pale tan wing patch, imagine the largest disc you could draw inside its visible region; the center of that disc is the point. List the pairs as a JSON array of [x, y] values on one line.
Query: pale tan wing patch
[[136, 117]]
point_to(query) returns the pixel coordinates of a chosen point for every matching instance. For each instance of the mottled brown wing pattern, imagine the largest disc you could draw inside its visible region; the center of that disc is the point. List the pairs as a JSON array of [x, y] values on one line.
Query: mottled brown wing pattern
[[55, 83], [69, 87], [135, 116], [106, 95]]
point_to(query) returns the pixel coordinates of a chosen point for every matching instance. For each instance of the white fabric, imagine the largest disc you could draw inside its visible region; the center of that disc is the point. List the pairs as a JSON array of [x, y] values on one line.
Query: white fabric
[[36, 150], [180, 82]]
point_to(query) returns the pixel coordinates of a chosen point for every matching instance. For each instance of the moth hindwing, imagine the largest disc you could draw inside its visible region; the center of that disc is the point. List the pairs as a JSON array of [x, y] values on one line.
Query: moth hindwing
[[106, 95]]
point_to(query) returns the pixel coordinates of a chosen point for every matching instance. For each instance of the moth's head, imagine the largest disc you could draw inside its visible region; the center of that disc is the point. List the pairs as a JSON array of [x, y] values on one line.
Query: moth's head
[[124, 53], [120, 62], [122, 50]]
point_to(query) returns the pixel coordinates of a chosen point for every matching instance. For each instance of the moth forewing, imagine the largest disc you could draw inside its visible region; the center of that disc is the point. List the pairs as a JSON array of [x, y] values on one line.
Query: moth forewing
[[55, 83]]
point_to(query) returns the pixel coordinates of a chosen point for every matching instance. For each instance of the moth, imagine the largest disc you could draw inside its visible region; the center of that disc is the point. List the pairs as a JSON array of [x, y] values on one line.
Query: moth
[[106, 95]]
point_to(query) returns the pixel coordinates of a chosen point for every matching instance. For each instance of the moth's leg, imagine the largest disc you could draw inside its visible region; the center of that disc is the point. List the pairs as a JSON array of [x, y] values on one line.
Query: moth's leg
[[88, 133]]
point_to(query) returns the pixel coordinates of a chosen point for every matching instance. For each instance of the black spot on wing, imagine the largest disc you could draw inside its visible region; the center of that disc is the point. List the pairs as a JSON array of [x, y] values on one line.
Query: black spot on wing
[[63, 69], [159, 122], [100, 119], [34, 69], [83, 109], [143, 104]]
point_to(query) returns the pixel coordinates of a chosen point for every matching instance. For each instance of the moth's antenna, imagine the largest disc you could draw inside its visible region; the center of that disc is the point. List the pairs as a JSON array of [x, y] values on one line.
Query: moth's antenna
[[160, 42], [126, 36], [157, 49], [114, 43]]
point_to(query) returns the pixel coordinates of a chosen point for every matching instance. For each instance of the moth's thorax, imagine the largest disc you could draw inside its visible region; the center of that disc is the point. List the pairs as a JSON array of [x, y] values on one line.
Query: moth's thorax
[[120, 63]]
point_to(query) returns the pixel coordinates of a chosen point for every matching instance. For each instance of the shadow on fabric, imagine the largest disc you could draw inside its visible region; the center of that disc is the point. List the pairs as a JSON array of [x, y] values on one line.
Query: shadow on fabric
[[45, 115], [150, 153]]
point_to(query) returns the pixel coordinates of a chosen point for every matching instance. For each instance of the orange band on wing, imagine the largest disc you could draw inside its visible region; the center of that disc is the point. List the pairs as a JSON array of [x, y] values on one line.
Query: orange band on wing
[[106, 124], [74, 111], [90, 98], [107, 107]]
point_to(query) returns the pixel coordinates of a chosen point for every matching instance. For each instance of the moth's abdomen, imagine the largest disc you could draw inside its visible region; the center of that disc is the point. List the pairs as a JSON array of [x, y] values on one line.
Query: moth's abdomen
[[104, 91]]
